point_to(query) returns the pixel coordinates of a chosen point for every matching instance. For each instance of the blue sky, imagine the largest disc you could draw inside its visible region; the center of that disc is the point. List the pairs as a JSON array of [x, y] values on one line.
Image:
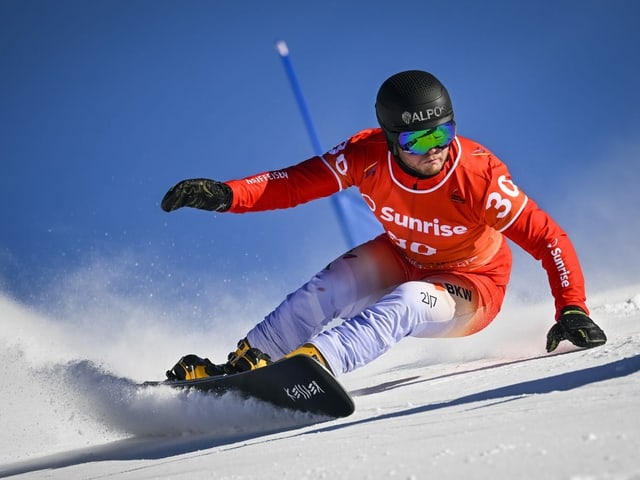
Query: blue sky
[[106, 104]]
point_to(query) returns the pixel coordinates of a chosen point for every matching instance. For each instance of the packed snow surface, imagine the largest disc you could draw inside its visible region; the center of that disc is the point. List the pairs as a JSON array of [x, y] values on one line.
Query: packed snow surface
[[494, 405]]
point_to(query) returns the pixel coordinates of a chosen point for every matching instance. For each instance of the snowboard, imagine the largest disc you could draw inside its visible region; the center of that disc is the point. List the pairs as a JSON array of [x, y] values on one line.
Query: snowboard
[[299, 383]]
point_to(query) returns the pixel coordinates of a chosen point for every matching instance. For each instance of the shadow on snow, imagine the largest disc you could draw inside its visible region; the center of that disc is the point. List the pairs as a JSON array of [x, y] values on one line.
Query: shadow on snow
[[556, 383]]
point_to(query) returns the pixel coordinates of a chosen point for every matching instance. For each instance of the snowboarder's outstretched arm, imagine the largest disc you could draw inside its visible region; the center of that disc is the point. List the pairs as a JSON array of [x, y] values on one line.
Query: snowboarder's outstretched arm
[[539, 235]]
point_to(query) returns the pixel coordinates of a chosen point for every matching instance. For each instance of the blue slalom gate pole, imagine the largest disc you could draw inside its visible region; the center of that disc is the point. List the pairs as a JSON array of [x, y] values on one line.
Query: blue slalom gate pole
[[283, 51], [350, 209]]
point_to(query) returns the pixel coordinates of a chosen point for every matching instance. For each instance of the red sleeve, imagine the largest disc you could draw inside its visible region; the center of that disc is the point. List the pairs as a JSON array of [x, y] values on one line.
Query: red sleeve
[[538, 234], [285, 188]]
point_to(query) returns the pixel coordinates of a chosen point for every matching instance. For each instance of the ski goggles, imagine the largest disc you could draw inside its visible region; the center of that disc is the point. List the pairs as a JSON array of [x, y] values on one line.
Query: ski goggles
[[421, 141]]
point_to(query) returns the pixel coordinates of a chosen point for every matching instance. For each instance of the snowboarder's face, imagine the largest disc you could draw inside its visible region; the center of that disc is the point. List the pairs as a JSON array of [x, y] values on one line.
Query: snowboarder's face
[[428, 164]]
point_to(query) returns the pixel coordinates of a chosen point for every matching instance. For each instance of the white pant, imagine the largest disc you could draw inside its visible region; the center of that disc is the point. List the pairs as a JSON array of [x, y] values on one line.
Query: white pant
[[369, 288]]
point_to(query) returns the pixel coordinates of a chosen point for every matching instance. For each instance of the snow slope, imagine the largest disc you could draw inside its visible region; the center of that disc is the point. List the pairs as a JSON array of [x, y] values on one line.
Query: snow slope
[[493, 405]]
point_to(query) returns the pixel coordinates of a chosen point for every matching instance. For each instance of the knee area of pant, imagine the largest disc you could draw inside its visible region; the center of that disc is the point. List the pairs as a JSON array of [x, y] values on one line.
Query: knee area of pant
[[426, 296]]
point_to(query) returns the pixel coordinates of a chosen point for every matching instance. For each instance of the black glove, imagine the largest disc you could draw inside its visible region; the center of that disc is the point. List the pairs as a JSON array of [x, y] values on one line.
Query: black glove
[[576, 326], [199, 193]]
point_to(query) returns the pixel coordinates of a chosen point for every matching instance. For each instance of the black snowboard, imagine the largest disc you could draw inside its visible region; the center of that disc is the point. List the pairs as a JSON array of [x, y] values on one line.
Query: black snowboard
[[299, 383]]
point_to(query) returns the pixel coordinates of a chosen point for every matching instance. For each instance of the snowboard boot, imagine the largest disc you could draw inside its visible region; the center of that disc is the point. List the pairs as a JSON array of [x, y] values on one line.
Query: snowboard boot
[[246, 358], [191, 367], [312, 351]]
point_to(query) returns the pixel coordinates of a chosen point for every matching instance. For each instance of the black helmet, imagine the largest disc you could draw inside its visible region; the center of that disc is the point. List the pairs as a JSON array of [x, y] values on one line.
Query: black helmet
[[410, 101]]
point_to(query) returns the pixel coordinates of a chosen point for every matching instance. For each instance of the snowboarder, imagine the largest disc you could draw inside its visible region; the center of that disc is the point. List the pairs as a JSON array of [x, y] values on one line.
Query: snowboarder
[[442, 266]]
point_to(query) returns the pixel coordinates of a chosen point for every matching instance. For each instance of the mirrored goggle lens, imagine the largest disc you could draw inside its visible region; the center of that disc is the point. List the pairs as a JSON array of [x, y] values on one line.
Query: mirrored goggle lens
[[421, 141]]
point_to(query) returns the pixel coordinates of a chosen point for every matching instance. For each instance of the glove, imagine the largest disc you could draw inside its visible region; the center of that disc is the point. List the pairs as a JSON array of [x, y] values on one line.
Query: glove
[[576, 326], [199, 193]]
